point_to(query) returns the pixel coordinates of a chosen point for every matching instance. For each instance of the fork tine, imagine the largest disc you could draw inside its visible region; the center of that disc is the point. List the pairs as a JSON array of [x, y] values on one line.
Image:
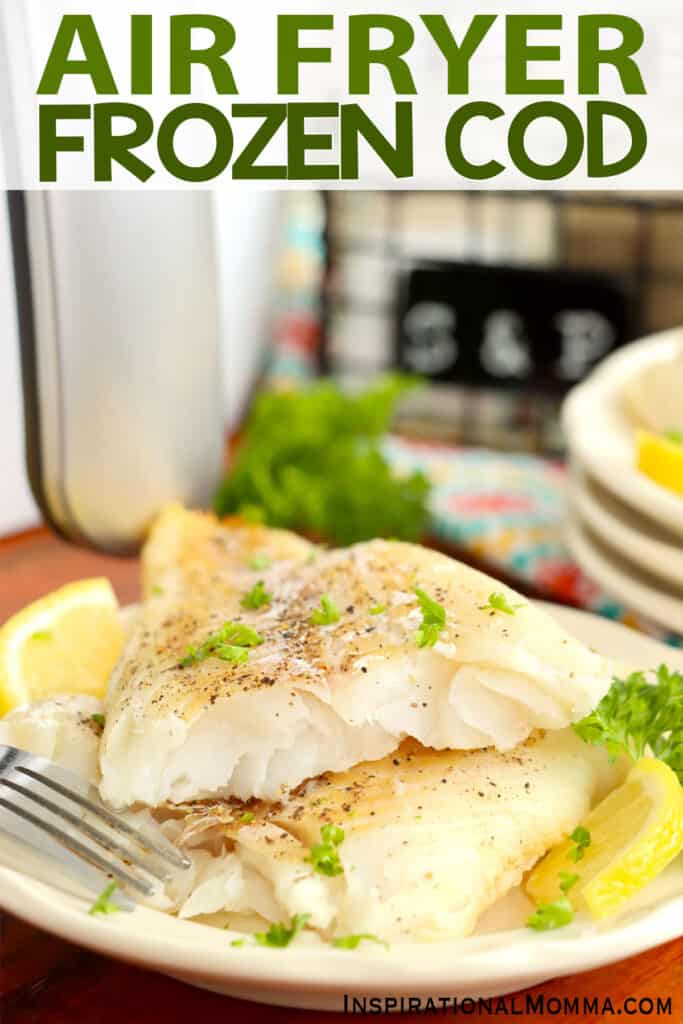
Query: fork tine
[[92, 833], [73, 844], [167, 853]]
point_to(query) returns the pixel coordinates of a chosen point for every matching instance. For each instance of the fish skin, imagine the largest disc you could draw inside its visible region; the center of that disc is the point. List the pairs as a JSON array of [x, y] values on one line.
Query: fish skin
[[317, 698]]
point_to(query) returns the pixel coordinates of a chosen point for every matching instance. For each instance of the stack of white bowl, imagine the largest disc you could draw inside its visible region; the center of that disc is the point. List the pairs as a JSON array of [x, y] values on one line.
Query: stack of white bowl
[[624, 530]]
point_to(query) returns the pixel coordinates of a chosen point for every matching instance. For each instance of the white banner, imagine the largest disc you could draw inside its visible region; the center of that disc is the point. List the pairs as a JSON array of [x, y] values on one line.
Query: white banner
[[207, 93]]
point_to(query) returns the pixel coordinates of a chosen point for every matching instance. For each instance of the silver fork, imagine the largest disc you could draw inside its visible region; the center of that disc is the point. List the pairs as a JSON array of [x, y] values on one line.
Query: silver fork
[[53, 809]]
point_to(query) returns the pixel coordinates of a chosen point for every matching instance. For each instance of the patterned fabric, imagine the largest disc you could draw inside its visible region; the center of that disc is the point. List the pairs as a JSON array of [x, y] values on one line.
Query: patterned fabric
[[294, 356]]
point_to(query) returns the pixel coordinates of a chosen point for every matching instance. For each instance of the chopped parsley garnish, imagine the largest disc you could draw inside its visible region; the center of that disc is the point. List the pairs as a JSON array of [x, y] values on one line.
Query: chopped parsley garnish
[[280, 935], [98, 719], [246, 817], [635, 716], [582, 838], [567, 881], [498, 602], [332, 834], [232, 652], [104, 904], [257, 597], [378, 609], [674, 435], [327, 614], [42, 634], [313, 460], [433, 619], [324, 856], [157, 590], [353, 941], [550, 916], [231, 643], [236, 943], [259, 562], [243, 636]]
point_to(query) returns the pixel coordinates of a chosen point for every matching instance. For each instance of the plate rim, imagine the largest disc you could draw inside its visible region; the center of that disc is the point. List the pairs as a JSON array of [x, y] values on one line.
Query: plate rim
[[639, 595], [291, 968], [651, 554]]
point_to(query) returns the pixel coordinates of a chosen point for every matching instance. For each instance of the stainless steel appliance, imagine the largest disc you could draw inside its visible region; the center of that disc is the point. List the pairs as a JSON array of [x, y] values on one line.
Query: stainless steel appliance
[[119, 323]]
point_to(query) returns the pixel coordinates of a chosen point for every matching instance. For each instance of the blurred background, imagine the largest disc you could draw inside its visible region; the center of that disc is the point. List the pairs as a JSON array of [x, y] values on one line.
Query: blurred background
[[504, 301], [501, 303]]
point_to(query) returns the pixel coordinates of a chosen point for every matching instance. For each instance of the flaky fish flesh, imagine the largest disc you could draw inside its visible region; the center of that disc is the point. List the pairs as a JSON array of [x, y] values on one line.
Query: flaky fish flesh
[[431, 839], [340, 676]]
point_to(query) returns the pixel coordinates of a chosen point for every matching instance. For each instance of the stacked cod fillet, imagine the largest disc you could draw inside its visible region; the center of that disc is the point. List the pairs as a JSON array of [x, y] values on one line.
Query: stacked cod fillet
[[448, 765]]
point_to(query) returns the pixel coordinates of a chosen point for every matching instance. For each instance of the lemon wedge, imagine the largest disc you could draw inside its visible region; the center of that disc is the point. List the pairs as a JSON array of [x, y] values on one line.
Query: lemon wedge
[[65, 643], [634, 833], [660, 459]]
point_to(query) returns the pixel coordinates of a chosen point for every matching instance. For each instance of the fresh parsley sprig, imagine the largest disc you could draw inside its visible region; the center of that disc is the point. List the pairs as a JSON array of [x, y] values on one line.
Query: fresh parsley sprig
[[260, 561], [230, 643], [635, 716], [324, 855], [433, 619], [327, 614], [567, 881], [257, 597], [280, 935], [104, 903], [550, 916], [498, 602], [581, 837], [353, 941], [312, 461]]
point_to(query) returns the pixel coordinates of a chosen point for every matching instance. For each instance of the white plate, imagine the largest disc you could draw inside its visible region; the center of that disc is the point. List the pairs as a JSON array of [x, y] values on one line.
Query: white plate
[[602, 438], [626, 584], [641, 542], [503, 960]]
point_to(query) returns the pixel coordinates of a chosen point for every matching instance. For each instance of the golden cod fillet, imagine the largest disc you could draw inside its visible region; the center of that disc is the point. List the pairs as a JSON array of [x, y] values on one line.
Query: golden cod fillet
[[431, 839], [312, 697]]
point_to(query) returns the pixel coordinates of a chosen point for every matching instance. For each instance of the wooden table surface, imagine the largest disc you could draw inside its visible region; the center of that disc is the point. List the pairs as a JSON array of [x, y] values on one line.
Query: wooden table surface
[[46, 981]]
